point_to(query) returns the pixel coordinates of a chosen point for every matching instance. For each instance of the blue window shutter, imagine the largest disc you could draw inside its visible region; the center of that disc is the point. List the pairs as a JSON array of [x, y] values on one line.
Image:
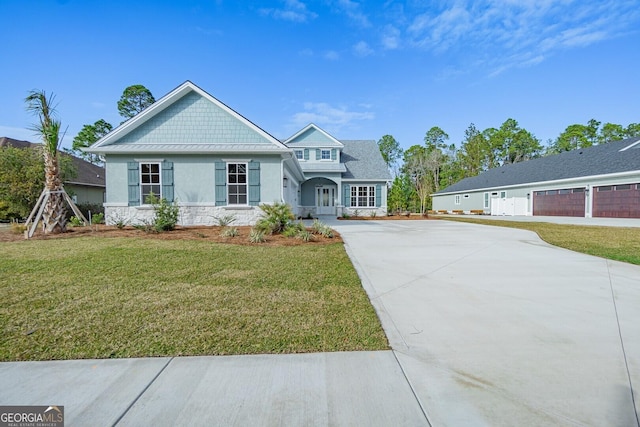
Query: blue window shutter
[[133, 181], [346, 191], [378, 195], [334, 154], [221, 183], [254, 183], [167, 181], [306, 154], [318, 154]]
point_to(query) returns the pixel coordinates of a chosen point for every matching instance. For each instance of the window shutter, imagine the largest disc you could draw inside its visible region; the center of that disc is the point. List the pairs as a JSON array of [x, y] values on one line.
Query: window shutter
[[334, 154], [167, 181], [254, 183], [221, 183], [133, 181], [306, 154], [378, 195], [318, 154], [346, 195]]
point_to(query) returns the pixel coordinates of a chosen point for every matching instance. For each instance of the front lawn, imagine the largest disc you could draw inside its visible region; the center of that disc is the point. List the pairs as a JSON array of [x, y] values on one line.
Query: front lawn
[[97, 297], [617, 243]]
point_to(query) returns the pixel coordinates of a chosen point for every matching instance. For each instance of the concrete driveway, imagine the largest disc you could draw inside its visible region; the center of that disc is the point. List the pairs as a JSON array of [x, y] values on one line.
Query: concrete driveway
[[492, 326]]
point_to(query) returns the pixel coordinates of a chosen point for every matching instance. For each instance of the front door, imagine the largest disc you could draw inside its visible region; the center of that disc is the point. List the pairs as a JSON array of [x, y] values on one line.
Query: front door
[[325, 200]]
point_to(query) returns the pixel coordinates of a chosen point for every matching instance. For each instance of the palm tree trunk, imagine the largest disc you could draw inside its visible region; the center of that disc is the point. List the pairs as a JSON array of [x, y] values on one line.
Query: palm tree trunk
[[54, 214]]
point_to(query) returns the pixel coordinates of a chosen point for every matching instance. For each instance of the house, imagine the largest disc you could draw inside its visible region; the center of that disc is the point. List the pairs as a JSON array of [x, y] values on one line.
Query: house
[[599, 181], [190, 148], [87, 187]]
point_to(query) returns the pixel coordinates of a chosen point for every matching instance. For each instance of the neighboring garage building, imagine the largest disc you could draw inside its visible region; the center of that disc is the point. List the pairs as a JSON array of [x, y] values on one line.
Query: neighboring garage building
[[599, 181]]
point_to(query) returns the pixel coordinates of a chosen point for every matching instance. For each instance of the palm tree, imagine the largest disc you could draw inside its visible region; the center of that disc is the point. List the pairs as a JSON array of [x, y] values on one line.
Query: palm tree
[[54, 211]]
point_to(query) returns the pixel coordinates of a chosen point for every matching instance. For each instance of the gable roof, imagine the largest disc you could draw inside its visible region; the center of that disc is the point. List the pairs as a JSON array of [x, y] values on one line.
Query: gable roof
[[161, 128], [88, 173], [614, 157], [312, 136], [363, 160]]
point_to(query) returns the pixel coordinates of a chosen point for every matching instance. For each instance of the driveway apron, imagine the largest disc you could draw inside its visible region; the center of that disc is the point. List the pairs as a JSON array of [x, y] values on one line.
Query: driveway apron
[[492, 326]]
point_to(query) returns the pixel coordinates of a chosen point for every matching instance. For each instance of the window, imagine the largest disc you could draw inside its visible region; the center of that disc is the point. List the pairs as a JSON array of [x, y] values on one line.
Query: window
[[299, 154], [541, 193], [486, 200], [578, 190], [552, 192], [623, 187], [150, 181], [503, 194], [605, 188], [325, 155], [237, 183], [457, 199], [363, 196], [564, 191]]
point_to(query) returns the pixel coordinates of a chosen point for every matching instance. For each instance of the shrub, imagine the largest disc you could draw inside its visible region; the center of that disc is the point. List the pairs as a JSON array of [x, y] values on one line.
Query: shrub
[[305, 236], [18, 228], [85, 208], [323, 229], [277, 217], [118, 220], [356, 213], [293, 229], [166, 213], [256, 236], [230, 232], [74, 221], [346, 215], [224, 220], [97, 218], [148, 226], [374, 214]]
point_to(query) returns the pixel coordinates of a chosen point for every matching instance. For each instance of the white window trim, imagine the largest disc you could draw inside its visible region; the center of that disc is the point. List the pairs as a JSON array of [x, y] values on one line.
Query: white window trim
[[486, 200], [301, 158], [246, 171], [149, 162], [322, 151], [371, 190], [456, 199]]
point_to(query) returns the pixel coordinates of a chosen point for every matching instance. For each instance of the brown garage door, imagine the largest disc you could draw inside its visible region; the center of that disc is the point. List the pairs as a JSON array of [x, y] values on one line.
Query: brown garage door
[[617, 201], [564, 202]]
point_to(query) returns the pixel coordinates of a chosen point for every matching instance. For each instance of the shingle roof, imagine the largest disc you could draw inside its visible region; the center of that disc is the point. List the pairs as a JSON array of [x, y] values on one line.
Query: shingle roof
[[88, 174], [363, 160], [614, 157]]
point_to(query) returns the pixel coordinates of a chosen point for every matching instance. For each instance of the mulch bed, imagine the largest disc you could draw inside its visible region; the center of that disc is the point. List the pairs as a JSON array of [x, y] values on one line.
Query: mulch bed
[[209, 234]]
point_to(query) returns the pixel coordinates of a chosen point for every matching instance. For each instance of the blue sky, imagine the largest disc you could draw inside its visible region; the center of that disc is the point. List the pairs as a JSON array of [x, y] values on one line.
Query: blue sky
[[358, 69]]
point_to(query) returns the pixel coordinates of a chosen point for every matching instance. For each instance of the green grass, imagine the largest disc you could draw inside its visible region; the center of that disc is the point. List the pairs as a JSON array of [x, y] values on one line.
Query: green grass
[[128, 297], [617, 243]]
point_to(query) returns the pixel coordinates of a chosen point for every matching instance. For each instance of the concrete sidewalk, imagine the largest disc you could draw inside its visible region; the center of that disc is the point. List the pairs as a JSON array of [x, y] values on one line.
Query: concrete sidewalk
[[337, 389]]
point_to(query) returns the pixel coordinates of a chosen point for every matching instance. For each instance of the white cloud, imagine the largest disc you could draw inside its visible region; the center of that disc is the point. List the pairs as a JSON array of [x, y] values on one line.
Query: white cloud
[[362, 49], [390, 37], [353, 11], [293, 11], [329, 117], [517, 33], [331, 55]]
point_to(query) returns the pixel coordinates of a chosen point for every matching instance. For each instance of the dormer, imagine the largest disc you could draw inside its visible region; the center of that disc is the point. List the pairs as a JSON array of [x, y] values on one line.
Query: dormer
[[314, 145]]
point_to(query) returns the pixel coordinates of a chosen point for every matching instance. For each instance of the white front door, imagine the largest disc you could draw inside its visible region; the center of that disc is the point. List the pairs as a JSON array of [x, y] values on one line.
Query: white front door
[[326, 200]]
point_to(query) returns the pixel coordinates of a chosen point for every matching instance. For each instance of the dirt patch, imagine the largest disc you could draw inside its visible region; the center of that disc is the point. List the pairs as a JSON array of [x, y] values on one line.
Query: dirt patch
[[210, 234]]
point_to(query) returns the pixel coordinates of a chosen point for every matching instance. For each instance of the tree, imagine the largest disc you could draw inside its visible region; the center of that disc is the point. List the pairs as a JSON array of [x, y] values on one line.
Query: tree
[[514, 143], [473, 152], [134, 99], [401, 193], [632, 131], [22, 179], [611, 132], [87, 136], [417, 164], [390, 150], [54, 213], [436, 143]]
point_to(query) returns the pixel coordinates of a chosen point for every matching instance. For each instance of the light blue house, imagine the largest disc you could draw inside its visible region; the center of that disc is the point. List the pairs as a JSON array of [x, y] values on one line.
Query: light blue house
[[190, 148]]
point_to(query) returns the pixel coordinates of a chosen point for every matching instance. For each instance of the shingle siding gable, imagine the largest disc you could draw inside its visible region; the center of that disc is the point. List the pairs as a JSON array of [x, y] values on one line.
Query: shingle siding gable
[[193, 120]]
